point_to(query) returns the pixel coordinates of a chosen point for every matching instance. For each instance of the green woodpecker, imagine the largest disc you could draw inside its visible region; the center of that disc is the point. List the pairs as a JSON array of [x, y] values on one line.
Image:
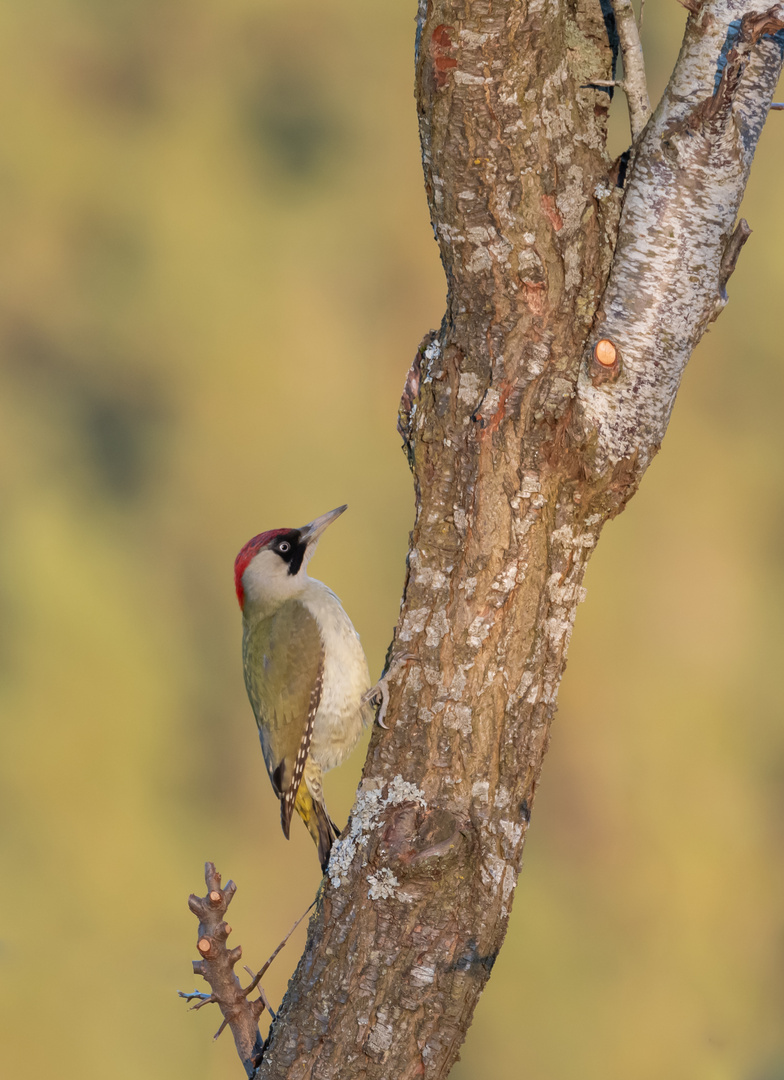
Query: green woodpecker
[[305, 672]]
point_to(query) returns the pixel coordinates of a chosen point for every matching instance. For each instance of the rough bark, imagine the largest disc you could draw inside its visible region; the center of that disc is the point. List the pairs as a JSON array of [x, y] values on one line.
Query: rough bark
[[523, 440]]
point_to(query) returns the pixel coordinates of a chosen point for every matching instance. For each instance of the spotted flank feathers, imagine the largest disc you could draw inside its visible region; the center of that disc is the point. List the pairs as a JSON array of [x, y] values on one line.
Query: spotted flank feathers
[[290, 798]]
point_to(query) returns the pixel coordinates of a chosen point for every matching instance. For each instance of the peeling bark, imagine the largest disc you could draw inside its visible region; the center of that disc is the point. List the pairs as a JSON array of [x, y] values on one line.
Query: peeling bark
[[519, 452]]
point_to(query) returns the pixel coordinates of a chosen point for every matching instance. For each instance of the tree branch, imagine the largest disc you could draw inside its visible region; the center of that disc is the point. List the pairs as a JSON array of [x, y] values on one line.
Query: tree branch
[[634, 83], [687, 181], [217, 967]]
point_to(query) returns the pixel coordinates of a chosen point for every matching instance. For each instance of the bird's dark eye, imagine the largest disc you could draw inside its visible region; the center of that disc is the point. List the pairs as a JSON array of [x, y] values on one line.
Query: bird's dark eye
[[284, 546]]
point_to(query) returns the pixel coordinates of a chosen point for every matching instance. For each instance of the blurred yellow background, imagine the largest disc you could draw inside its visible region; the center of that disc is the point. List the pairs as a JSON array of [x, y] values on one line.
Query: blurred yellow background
[[215, 268]]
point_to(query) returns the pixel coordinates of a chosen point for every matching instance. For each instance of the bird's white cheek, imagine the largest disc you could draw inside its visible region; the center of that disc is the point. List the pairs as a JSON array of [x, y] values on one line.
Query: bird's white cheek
[[268, 583]]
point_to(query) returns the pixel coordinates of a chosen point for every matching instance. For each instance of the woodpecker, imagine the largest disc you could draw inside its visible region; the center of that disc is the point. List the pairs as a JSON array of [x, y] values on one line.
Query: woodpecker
[[305, 672]]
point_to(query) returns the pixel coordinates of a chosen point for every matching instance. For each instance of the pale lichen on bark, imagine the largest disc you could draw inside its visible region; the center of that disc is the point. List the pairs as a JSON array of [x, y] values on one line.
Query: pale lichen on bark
[[519, 455], [372, 798]]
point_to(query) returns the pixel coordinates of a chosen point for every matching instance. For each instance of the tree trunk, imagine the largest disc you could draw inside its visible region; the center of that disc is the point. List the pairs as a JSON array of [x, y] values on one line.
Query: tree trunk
[[578, 288]]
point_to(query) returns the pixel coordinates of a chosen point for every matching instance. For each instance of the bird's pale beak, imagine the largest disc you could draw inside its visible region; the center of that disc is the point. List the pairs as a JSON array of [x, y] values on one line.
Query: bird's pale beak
[[310, 533]]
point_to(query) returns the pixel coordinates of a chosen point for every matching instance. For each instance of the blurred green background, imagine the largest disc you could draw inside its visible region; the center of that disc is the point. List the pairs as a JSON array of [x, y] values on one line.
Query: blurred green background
[[215, 268]]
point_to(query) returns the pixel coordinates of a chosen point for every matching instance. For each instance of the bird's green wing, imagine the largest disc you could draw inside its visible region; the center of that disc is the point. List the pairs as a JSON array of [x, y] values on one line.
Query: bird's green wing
[[283, 659]]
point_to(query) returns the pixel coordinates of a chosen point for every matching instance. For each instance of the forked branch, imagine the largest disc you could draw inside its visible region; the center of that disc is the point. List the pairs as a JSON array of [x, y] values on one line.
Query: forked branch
[[217, 967]]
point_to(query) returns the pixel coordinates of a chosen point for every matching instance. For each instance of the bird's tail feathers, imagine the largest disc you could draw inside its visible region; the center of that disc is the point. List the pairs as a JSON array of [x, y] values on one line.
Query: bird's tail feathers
[[318, 823]]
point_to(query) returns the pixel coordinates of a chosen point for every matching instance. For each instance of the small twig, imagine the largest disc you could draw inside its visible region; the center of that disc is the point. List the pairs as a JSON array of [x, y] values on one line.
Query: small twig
[[204, 999], [634, 83], [257, 978], [267, 1006]]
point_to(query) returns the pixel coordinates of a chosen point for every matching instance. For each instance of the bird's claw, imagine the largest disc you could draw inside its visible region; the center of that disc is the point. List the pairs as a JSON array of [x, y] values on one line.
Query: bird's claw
[[379, 694]]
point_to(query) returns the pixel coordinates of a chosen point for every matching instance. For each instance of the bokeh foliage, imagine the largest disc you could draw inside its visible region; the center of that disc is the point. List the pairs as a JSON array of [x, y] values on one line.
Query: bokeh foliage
[[215, 267]]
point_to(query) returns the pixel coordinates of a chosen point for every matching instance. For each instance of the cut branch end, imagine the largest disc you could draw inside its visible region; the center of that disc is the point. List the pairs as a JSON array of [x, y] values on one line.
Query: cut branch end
[[605, 364]]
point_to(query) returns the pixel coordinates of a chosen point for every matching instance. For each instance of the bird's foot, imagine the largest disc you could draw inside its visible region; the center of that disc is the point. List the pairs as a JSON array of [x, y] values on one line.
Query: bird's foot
[[379, 694]]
